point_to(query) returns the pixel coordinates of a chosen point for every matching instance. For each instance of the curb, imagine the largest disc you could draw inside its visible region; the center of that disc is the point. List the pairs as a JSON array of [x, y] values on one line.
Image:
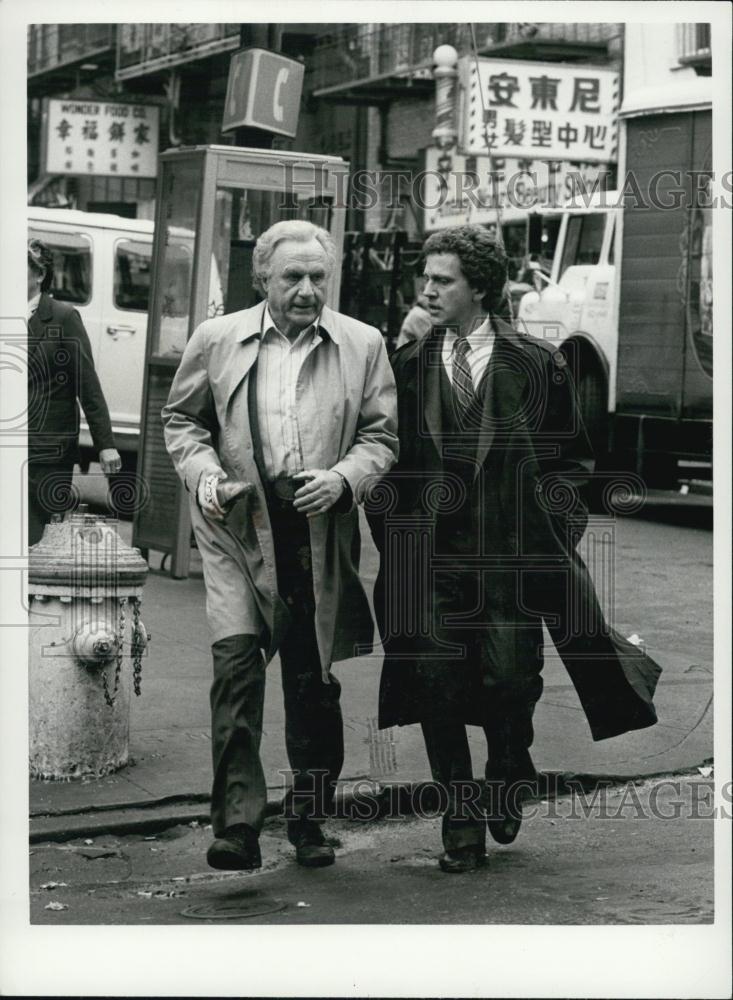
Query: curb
[[361, 800]]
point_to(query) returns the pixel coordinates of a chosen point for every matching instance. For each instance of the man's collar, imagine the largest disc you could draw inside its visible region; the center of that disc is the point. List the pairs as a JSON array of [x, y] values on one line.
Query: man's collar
[[268, 323], [33, 304], [256, 319], [479, 335], [482, 333]]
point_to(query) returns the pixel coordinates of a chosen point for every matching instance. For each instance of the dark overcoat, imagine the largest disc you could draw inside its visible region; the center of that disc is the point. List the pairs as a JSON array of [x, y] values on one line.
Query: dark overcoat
[[61, 374], [477, 533]]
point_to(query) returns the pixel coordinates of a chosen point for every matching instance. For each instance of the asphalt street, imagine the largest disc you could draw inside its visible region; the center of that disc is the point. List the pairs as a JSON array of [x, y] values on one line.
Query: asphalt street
[[627, 865], [641, 853]]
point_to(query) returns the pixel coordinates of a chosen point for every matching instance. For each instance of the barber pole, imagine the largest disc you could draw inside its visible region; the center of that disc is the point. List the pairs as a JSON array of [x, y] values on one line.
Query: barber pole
[[445, 73]]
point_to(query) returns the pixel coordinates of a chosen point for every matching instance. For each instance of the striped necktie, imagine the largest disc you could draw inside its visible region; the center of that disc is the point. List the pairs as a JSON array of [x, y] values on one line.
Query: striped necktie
[[463, 388]]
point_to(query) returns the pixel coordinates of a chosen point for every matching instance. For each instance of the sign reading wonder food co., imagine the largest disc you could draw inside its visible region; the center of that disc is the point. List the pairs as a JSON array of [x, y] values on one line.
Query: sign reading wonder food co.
[[100, 138]]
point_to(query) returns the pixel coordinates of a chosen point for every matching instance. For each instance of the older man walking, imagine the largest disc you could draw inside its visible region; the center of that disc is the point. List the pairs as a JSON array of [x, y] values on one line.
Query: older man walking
[[298, 401]]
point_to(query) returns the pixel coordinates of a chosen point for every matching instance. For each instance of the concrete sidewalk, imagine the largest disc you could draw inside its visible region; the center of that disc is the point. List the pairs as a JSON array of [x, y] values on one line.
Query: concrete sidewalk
[[170, 777]]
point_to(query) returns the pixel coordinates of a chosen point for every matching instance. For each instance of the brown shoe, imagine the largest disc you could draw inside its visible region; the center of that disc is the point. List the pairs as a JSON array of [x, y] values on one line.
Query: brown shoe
[[504, 818], [311, 849], [237, 850], [464, 859]]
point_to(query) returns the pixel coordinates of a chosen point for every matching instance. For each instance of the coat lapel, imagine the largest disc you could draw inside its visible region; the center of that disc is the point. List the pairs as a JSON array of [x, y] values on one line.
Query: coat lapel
[[505, 383], [430, 386], [244, 354], [37, 323]]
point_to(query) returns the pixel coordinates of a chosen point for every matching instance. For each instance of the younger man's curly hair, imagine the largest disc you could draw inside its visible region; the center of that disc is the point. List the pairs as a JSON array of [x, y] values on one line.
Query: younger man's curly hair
[[482, 257]]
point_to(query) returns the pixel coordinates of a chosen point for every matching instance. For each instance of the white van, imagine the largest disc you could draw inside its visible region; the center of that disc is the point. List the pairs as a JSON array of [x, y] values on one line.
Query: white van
[[102, 266]]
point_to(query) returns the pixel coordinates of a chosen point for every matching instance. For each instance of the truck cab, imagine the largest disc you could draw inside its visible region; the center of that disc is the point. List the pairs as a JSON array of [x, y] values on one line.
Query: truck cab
[[574, 307]]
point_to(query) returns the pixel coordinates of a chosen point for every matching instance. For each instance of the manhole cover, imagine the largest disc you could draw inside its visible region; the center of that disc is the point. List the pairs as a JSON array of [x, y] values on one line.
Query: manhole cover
[[230, 909]]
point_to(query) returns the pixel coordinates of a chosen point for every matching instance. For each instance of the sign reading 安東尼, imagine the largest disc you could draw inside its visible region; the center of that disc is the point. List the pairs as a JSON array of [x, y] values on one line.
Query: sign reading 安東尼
[[540, 110], [263, 91], [100, 138], [457, 189]]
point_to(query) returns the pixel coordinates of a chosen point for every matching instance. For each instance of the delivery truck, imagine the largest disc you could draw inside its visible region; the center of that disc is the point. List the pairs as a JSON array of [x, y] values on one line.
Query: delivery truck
[[629, 301]]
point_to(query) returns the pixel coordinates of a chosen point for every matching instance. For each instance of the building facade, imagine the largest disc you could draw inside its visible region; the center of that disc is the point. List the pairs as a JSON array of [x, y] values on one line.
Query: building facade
[[369, 95]]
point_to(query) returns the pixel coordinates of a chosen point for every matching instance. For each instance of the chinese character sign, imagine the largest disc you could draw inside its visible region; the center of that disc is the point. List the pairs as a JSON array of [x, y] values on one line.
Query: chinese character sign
[[101, 138], [540, 110], [468, 189]]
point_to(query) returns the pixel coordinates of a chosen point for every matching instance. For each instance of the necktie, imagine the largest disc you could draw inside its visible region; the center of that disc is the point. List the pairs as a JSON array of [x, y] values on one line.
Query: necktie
[[463, 389]]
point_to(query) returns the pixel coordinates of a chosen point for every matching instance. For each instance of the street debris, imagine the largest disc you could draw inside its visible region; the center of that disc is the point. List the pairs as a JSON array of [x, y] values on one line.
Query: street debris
[[95, 853], [55, 906], [88, 842], [706, 772], [54, 885], [160, 894], [301, 903], [697, 668]]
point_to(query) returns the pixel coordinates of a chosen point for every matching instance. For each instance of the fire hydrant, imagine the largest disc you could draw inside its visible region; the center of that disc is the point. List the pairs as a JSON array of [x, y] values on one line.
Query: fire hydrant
[[84, 587]]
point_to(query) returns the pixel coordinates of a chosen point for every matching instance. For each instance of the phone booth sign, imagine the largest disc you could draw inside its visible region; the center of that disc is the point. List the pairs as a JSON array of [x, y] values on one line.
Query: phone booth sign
[[213, 204], [263, 91]]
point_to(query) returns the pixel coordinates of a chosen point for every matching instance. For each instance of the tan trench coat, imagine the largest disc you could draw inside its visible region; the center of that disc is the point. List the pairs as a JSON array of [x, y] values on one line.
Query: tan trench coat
[[347, 415]]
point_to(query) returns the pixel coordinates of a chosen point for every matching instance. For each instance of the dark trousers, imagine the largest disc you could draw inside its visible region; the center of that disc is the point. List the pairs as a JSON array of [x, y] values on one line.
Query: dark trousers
[[509, 770], [239, 793], [49, 491], [313, 723]]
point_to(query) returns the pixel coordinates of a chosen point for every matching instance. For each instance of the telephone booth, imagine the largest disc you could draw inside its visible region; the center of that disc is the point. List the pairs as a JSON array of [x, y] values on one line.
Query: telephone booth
[[213, 203]]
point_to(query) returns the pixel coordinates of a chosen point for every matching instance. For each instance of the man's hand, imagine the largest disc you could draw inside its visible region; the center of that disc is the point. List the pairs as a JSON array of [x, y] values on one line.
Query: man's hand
[[207, 499], [109, 459], [321, 491]]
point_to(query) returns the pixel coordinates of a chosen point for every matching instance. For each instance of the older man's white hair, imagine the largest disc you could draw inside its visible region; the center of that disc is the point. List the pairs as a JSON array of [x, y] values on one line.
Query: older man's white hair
[[289, 229]]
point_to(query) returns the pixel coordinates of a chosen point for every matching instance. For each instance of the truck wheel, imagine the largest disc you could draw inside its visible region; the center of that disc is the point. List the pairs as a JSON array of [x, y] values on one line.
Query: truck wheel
[[592, 395]]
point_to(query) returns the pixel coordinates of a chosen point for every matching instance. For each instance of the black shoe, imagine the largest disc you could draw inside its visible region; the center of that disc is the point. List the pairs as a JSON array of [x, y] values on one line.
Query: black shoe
[[504, 815], [311, 849], [237, 850], [463, 859]]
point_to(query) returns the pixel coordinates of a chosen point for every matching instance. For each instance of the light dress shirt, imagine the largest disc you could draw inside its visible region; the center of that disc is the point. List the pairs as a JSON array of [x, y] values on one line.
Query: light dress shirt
[[480, 346], [278, 365], [33, 304]]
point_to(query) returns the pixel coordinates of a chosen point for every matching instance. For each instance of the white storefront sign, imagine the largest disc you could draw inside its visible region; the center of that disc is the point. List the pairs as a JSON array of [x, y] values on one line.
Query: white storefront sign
[[100, 138], [540, 110], [471, 188]]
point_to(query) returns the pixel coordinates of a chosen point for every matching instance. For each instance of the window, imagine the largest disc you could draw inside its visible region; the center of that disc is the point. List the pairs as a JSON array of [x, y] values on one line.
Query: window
[[132, 275], [176, 278], [72, 266], [583, 240], [693, 47]]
